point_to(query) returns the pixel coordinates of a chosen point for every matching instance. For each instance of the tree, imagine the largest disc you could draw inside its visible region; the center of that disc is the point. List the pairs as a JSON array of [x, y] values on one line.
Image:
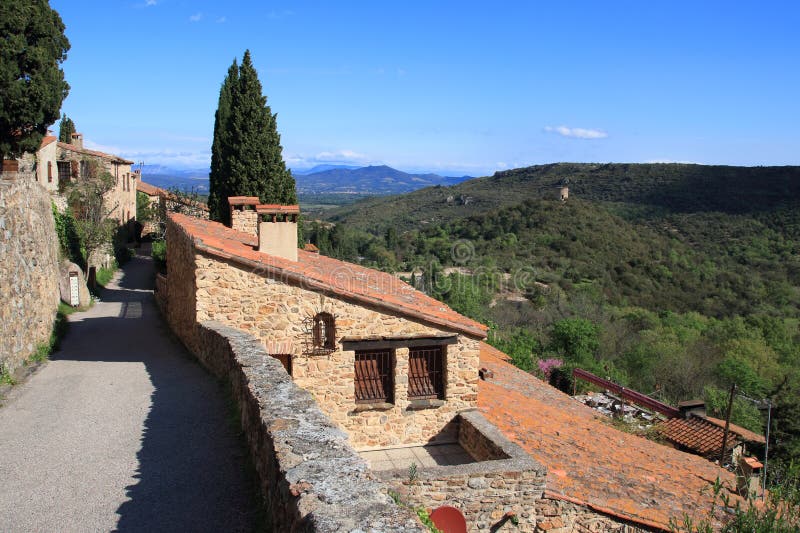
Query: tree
[[86, 199], [246, 154], [31, 80], [66, 129]]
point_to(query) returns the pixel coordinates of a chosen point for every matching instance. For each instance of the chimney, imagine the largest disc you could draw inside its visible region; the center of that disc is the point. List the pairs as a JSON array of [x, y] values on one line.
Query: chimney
[[76, 139], [277, 230], [692, 407], [243, 213]]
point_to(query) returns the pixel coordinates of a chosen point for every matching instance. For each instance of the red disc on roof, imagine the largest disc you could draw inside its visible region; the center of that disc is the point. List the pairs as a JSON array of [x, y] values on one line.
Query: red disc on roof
[[449, 520]]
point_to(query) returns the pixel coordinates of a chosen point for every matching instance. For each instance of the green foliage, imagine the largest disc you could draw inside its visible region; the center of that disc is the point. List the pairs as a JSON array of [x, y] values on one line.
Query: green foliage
[[247, 157], [576, 339], [31, 80], [65, 129], [519, 344], [159, 254], [68, 239], [145, 211], [86, 199]]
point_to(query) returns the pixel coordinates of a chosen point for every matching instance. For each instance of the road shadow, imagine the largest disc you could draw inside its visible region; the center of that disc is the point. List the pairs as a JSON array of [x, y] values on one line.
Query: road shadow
[[193, 467]]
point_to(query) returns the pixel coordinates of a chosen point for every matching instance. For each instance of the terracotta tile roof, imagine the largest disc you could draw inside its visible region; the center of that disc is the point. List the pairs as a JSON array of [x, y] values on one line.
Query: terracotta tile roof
[[47, 139], [745, 434], [588, 461], [324, 274], [308, 247], [103, 155], [148, 189], [696, 434], [243, 200], [277, 209]]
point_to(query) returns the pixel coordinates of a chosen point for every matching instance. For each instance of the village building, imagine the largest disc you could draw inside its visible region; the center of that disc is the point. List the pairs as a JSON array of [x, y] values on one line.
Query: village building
[[439, 415]]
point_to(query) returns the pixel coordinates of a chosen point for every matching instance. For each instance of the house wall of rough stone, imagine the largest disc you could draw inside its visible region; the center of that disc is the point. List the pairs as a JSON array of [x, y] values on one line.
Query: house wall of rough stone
[[47, 157], [245, 220], [274, 311], [310, 478], [28, 269], [562, 516]]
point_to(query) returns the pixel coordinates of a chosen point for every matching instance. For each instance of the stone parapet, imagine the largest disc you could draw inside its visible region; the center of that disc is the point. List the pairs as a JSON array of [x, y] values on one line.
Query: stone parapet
[[310, 478], [504, 481]]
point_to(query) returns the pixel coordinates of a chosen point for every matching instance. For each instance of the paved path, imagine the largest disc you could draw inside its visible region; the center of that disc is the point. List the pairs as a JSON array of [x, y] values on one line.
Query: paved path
[[122, 430]]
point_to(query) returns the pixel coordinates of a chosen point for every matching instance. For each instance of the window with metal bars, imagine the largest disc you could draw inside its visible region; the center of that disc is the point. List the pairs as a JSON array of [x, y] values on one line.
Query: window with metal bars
[[426, 373], [374, 376]]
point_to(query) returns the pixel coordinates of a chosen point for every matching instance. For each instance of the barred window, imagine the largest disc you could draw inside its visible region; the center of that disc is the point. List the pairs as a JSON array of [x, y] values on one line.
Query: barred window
[[324, 332], [426, 373], [374, 376]]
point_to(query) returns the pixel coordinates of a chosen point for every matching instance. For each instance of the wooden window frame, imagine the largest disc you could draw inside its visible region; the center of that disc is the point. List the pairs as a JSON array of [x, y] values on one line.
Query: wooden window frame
[[427, 372], [49, 172], [373, 381]]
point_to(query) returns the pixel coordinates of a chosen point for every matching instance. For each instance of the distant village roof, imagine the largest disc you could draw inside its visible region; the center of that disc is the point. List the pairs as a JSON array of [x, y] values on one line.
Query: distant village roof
[[148, 189], [95, 153], [745, 434], [324, 274], [47, 139], [696, 434], [589, 462]]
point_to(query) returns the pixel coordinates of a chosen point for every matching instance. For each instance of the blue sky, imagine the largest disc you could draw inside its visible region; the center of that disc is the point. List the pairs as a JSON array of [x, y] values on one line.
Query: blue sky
[[454, 87]]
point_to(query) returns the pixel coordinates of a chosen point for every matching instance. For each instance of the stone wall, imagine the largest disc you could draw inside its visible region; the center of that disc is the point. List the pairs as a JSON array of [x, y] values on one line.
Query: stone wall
[[276, 312], [560, 515], [28, 269], [245, 219], [311, 479], [487, 491]]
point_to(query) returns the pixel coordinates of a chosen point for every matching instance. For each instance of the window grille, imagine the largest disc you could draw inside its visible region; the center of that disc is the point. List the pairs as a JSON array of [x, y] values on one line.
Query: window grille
[[426, 373], [374, 374], [324, 332]]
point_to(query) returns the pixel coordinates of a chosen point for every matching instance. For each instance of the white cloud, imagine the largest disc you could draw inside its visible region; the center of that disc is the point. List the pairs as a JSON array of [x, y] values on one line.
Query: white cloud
[[196, 17], [338, 157], [576, 133], [149, 3], [673, 161], [221, 20]]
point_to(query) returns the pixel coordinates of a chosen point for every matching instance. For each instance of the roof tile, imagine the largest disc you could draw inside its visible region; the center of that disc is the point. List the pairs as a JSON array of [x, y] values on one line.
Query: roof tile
[[321, 273]]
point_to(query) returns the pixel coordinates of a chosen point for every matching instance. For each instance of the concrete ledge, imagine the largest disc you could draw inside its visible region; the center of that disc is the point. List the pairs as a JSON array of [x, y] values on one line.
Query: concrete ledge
[[310, 477]]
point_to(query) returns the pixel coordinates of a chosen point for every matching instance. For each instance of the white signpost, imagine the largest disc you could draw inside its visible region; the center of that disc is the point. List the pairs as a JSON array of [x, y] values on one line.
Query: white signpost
[[74, 293]]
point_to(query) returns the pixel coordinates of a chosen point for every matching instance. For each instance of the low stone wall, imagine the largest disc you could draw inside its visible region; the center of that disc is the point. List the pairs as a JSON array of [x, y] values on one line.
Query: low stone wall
[[484, 491], [28, 269], [558, 514], [161, 294], [311, 479]]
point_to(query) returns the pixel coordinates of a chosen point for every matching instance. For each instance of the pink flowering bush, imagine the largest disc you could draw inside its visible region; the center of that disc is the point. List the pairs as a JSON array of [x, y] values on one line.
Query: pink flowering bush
[[546, 366]]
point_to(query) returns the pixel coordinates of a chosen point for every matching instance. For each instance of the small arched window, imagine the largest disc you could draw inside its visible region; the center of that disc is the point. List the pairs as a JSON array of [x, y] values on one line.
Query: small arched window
[[324, 332]]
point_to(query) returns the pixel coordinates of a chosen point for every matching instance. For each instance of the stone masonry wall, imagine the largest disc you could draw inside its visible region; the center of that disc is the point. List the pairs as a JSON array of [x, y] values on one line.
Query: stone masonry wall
[[245, 220], [179, 289], [558, 515], [311, 479], [275, 311], [484, 491], [28, 269]]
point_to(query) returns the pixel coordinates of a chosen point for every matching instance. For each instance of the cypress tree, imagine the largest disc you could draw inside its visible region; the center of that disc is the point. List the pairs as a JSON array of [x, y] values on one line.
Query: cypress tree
[[219, 188], [246, 156], [66, 129]]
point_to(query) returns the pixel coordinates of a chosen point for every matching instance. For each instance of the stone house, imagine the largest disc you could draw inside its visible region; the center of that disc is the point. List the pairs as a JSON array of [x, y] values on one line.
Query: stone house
[[412, 384], [387, 363]]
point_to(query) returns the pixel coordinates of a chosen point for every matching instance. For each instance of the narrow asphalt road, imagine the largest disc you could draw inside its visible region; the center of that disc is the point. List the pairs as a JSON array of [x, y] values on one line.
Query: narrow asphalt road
[[122, 430]]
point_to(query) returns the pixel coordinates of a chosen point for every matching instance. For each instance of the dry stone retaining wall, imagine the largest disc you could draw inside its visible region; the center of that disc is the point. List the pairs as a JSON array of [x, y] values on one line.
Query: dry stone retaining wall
[[28, 269], [563, 516], [311, 479]]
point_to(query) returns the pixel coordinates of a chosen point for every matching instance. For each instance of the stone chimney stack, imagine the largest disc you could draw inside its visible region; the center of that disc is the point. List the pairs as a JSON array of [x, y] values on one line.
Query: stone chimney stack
[[277, 230], [76, 139], [243, 213]]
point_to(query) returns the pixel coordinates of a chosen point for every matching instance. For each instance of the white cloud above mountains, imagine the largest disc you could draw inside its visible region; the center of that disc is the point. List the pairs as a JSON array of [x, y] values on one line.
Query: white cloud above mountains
[[576, 133]]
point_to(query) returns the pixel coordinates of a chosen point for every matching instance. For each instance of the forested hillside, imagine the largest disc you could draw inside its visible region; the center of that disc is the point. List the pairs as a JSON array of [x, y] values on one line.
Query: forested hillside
[[676, 280]]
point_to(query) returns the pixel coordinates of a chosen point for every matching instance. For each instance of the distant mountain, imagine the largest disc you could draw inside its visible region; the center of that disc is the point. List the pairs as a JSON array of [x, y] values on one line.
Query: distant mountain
[[377, 180], [321, 168], [322, 179]]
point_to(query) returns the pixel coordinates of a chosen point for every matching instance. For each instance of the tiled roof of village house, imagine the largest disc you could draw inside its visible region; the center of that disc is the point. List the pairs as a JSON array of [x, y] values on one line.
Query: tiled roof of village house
[[47, 139], [697, 434], [745, 434], [148, 189], [112, 157], [588, 461], [320, 273]]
